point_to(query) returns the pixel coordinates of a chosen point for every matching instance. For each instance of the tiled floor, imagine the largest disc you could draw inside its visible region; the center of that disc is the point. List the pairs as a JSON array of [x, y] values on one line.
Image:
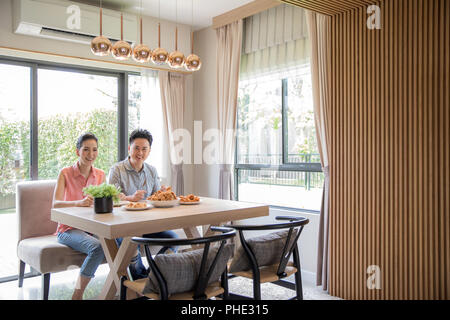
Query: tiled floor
[[62, 284]]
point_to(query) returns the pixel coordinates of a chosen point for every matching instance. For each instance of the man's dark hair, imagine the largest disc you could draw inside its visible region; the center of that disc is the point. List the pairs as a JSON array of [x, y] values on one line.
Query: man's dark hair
[[84, 137], [141, 133]]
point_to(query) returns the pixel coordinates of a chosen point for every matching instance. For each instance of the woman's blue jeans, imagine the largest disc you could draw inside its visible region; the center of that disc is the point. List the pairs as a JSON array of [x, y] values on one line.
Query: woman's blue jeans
[[137, 268], [85, 243]]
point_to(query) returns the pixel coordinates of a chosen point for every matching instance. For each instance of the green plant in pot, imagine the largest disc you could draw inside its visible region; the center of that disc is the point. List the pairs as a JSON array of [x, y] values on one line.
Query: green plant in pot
[[104, 195]]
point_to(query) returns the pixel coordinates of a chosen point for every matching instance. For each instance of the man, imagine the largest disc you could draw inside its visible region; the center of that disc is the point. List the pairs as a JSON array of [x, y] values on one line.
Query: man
[[138, 180]]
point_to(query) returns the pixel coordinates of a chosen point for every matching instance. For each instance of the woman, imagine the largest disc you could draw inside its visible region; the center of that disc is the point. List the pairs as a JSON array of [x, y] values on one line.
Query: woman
[[69, 193]]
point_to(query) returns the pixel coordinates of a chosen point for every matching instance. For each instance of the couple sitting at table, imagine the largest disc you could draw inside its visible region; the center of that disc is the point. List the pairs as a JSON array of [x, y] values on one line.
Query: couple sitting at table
[[137, 181]]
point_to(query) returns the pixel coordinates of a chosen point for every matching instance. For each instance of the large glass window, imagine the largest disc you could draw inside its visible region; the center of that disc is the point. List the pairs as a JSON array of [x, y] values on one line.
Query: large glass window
[[14, 155], [277, 160], [44, 107], [69, 104]]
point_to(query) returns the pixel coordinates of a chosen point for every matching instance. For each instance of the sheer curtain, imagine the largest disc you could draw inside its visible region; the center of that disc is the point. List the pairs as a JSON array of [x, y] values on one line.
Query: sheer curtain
[[172, 98], [319, 30], [229, 44], [150, 117]]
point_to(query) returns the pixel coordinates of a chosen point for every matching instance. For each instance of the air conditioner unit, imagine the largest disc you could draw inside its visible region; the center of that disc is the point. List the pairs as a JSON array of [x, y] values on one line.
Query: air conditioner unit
[[54, 19]]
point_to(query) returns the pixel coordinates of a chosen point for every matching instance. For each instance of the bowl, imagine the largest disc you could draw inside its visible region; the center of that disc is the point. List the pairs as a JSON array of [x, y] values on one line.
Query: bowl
[[164, 204]]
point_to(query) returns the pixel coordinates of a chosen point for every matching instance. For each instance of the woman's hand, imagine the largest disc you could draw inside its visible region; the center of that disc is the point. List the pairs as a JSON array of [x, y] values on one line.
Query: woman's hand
[[86, 202]]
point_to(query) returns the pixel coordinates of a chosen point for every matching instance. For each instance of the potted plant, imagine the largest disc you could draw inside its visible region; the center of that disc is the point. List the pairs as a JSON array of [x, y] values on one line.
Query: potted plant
[[103, 195]]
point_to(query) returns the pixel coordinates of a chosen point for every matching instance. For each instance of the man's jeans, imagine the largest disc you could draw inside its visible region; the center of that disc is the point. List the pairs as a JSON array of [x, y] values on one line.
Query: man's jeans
[[137, 268]]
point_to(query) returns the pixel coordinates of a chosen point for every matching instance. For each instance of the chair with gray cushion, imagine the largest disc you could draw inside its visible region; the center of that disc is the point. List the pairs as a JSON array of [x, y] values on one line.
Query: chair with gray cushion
[[266, 258], [198, 274], [37, 245]]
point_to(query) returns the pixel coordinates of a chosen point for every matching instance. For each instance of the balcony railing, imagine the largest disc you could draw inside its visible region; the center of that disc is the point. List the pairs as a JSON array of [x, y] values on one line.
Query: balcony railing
[[281, 175]]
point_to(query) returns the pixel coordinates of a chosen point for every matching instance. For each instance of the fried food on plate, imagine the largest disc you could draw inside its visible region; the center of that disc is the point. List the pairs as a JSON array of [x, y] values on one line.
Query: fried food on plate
[[189, 198], [136, 205], [166, 195]]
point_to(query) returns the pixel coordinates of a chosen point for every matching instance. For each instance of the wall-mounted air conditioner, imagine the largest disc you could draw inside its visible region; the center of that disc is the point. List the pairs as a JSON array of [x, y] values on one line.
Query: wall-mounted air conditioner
[[55, 19]]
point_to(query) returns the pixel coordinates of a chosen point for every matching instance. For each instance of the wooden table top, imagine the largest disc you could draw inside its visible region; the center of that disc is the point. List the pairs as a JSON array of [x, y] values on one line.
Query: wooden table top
[[123, 223]]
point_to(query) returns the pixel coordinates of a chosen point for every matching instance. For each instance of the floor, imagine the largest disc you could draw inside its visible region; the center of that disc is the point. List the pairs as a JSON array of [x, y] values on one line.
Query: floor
[[62, 284]]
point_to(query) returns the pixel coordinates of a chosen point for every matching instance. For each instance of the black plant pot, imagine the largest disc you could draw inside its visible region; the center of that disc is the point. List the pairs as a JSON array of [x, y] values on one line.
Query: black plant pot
[[103, 205]]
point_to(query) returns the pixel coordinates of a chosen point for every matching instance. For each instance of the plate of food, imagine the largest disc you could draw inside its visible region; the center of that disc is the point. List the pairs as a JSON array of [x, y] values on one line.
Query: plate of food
[[120, 203], [163, 198], [137, 206], [189, 199]]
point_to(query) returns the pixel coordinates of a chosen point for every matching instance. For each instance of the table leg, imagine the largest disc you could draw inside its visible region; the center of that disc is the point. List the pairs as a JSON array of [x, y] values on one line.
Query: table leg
[[118, 260]]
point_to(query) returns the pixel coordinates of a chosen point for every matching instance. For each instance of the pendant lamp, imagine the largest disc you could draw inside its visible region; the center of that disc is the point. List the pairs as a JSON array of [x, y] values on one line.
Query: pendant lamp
[[100, 45], [121, 50], [159, 55], [176, 58], [141, 53], [193, 62]]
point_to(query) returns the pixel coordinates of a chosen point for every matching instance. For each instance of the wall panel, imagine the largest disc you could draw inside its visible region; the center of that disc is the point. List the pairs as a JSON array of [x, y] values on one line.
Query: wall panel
[[389, 149]]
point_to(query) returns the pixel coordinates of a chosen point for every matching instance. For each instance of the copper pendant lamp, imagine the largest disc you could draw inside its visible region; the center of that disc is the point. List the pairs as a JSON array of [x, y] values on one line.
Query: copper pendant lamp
[[193, 62], [176, 58], [121, 50], [100, 45], [159, 55], [141, 53]]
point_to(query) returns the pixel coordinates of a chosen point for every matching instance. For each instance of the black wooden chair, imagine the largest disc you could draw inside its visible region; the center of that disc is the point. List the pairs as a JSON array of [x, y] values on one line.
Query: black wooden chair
[[188, 275], [256, 249]]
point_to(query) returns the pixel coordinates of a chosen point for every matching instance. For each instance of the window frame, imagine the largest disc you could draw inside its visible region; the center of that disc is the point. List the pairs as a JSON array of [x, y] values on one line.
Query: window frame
[[312, 167], [122, 111], [122, 108]]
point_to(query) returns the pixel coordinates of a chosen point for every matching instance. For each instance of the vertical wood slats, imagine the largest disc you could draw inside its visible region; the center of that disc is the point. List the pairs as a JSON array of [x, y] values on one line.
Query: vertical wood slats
[[389, 151]]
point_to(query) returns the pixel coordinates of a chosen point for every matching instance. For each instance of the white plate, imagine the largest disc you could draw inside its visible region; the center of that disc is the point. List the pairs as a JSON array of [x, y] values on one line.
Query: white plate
[[164, 204], [190, 203], [120, 203], [137, 209]]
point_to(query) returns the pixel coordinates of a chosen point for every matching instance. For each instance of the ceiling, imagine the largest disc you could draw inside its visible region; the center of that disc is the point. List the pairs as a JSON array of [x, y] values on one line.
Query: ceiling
[[203, 10]]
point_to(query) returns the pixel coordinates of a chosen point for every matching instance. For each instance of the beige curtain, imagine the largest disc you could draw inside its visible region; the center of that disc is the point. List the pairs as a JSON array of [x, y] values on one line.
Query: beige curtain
[[172, 100], [229, 45], [274, 39], [319, 31]]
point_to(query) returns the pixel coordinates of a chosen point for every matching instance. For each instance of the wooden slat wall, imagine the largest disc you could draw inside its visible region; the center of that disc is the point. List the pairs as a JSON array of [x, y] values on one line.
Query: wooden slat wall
[[389, 151], [329, 7]]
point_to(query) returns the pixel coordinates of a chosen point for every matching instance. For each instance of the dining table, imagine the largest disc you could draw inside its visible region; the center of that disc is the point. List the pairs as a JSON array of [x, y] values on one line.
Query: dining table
[[123, 223]]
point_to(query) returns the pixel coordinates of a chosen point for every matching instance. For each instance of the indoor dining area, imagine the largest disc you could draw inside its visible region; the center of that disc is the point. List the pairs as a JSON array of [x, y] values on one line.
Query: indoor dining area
[[239, 150]]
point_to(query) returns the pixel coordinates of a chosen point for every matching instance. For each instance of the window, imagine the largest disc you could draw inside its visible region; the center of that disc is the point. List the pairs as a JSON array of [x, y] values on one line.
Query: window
[[277, 160], [44, 107], [14, 155], [71, 103]]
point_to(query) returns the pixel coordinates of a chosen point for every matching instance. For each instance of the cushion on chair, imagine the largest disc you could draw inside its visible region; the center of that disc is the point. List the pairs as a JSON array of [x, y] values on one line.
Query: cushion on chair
[[267, 249], [34, 201], [181, 270], [46, 255]]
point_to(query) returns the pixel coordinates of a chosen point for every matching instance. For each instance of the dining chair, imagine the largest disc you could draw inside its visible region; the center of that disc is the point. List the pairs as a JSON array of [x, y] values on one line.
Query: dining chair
[[266, 258], [193, 275], [37, 245]]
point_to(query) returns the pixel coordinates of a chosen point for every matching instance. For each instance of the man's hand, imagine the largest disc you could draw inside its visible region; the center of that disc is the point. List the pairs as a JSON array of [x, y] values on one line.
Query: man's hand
[[139, 195]]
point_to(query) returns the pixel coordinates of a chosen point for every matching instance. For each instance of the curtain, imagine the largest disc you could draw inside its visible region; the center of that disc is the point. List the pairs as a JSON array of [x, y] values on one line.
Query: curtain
[[172, 99], [319, 31], [229, 45], [150, 117], [274, 39]]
